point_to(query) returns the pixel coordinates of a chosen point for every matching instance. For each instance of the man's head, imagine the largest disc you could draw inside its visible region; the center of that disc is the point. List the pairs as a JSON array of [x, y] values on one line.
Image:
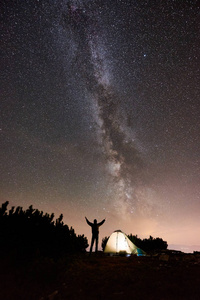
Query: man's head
[[95, 221]]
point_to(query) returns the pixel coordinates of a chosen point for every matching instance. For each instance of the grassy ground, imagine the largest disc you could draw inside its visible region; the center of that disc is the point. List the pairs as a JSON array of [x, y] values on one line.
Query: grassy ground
[[101, 277]]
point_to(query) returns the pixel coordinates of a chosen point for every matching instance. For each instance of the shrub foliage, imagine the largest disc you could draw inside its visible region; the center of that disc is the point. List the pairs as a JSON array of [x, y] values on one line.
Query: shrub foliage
[[31, 232], [149, 245]]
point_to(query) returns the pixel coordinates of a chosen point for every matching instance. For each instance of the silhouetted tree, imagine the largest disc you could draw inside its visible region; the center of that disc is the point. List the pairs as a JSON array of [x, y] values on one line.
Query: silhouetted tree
[[3, 208], [31, 231], [150, 244], [104, 242]]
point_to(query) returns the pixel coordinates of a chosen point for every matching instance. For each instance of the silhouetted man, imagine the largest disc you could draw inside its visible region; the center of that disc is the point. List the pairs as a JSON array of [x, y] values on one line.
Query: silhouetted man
[[95, 232]]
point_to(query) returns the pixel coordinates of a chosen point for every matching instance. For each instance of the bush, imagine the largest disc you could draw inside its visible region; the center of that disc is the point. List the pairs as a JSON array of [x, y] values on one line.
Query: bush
[[149, 245], [31, 232], [104, 242]]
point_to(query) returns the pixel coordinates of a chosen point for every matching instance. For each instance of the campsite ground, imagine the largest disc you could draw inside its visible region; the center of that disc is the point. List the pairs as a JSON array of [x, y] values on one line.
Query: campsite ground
[[166, 276]]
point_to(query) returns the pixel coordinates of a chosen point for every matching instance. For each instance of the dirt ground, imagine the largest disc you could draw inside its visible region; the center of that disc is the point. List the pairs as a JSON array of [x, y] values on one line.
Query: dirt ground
[[100, 276], [116, 278]]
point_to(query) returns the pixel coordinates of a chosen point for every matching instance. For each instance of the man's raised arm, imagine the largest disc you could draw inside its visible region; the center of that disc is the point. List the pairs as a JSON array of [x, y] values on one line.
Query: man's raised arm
[[101, 223], [89, 223]]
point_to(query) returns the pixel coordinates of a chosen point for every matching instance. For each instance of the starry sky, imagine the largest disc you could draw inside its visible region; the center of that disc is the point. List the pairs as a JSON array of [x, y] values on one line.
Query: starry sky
[[100, 114]]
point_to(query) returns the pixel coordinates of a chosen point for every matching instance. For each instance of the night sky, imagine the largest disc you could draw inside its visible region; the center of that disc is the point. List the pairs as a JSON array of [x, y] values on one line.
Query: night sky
[[100, 114]]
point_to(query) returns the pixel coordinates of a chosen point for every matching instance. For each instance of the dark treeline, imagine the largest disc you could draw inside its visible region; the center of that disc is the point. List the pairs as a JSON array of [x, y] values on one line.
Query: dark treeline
[[31, 232], [148, 245]]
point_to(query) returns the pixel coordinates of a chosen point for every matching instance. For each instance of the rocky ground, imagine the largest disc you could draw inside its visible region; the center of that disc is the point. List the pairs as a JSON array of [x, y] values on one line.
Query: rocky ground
[[169, 276]]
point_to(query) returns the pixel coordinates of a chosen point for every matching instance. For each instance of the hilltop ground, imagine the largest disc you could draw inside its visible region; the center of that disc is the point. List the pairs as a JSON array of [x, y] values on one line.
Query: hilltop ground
[[165, 276]]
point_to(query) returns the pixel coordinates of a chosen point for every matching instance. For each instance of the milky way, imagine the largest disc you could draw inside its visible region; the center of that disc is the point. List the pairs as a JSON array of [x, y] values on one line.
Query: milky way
[[123, 160], [100, 113]]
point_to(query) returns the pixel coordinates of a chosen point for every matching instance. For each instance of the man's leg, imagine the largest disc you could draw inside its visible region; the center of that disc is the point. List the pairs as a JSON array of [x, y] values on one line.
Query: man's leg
[[92, 243], [97, 239]]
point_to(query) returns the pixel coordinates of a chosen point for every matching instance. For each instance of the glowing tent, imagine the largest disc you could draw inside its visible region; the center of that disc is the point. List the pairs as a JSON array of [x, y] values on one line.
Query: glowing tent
[[118, 243]]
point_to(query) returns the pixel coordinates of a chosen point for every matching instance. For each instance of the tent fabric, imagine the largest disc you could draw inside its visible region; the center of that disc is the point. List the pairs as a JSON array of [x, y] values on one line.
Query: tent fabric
[[119, 242]]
